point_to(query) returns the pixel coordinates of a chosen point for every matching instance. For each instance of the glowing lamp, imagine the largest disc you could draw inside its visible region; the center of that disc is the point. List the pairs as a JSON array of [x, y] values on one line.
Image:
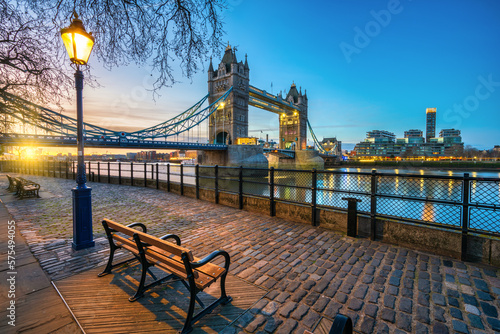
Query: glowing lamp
[[78, 42]]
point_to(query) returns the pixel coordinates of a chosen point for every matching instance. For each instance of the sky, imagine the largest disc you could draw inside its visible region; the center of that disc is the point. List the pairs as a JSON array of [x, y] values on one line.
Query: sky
[[365, 65]]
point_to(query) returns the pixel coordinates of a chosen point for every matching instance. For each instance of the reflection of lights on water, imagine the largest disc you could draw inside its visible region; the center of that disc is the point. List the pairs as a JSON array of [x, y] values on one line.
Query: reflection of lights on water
[[428, 212]]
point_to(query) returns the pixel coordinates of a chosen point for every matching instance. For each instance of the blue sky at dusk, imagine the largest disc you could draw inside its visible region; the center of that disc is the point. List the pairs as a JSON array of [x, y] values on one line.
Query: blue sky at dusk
[[365, 64]]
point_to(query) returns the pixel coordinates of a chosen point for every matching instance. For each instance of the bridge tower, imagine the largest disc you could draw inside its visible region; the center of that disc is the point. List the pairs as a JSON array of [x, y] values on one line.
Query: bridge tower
[[293, 124], [230, 120]]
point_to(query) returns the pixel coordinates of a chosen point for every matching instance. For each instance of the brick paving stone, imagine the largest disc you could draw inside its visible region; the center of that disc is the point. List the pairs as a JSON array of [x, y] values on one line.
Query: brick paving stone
[[373, 296], [310, 319], [367, 325], [287, 327], [371, 310], [494, 324], [282, 297], [423, 314], [439, 314], [405, 305], [403, 321], [299, 312], [259, 306], [489, 310], [308, 284], [439, 328], [475, 321], [389, 301], [456, 313], [393, 290], [311, 298], [320, 304], [341, 297], [388, 315], [420, 328], [286, 309], [382, 328], [360, 291], [423, 299], [256, 323], [438, 299], [332, 309], [355, 304], [270, 308], [460, 326]]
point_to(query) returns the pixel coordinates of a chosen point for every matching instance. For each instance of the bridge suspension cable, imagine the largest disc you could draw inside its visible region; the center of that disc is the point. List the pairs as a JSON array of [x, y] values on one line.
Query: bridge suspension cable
[[59, 124], [317, 143]]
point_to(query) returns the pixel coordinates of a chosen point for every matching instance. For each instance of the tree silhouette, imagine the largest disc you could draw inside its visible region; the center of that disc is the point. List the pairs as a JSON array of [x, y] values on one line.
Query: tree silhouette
[[33, 63]]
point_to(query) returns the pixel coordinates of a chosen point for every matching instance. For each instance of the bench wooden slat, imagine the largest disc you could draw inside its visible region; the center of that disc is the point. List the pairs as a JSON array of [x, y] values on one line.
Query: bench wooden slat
[[209, 269], [174, 249]]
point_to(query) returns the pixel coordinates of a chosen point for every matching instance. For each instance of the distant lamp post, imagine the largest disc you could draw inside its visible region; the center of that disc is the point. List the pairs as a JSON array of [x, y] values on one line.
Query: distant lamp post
[[79, 45]]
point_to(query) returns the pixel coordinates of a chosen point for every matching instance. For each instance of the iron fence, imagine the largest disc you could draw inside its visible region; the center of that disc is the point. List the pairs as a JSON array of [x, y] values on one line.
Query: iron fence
[[461, 203]]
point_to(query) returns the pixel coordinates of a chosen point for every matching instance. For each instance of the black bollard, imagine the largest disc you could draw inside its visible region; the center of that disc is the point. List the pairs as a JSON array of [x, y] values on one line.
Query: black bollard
[[352, 216]]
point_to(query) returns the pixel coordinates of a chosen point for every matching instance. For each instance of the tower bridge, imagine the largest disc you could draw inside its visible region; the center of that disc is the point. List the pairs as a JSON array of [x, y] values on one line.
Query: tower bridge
[[224, 120]]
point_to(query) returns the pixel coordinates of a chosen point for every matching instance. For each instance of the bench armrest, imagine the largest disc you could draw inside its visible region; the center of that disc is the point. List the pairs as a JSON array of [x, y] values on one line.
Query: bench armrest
[[141, 225], [212, 256], [172, 236]]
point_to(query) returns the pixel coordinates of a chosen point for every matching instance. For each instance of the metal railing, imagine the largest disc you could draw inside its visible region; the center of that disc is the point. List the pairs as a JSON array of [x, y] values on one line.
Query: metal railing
[[459, 203]]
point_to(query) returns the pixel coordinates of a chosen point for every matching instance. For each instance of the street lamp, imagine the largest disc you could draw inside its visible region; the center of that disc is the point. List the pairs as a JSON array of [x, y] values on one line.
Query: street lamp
[[79, 44]]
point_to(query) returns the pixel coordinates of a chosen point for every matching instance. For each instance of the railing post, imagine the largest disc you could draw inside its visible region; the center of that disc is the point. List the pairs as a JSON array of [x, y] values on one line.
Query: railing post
[[197, 181], [131, 173], [182, 179], [60, 170], [272, 206], [145, 176], [54, 168], [90, 171], [152, 172], [73, 174], [109, 172], [240, 188], [373, 205], [216, 174], [98, 171], [168, 177], [314, 213], [67, 169], [119, 172], [157, 177], [465, 216]]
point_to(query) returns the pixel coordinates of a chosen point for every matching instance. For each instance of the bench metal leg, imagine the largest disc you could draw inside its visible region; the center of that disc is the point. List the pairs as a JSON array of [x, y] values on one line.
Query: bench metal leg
[[196, 296], [140, 290], [189, 319]]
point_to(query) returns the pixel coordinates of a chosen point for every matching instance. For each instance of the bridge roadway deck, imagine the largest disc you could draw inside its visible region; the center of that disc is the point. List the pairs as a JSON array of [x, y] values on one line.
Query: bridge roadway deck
[[310, 274]]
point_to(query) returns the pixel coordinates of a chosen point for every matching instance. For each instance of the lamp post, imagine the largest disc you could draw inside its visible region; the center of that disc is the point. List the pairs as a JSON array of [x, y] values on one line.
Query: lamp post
[[79, 44]]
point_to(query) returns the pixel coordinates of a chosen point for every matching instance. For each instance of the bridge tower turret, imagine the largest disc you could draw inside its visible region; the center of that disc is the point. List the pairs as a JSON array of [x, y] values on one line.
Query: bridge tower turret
[[230, 120], [293, 124]]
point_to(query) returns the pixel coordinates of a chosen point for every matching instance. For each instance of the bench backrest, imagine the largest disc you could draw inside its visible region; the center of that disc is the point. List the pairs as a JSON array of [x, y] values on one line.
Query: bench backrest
[[149, 239]]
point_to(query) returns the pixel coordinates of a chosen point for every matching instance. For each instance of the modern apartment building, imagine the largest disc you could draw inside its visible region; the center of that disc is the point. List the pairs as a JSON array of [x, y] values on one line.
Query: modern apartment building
[[430, 124]]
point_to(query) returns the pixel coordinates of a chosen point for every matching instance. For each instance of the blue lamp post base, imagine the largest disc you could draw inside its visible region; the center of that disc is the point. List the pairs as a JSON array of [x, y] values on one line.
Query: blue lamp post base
[[82, 218]]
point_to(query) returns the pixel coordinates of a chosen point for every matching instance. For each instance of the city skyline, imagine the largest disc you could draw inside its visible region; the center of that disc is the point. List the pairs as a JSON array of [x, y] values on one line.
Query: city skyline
[[365, 66]]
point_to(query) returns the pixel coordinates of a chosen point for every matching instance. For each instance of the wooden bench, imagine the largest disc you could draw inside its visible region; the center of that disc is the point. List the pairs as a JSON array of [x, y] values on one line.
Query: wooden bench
[[12, 183], [26, 188], [179, 263]]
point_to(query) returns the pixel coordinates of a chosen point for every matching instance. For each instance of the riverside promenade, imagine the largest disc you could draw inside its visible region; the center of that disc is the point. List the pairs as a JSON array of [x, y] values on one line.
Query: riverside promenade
[[303, 275]]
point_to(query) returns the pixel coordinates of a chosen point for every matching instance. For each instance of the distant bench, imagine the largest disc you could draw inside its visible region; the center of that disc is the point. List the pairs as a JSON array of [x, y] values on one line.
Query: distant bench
[[178, 261], [23, 187]]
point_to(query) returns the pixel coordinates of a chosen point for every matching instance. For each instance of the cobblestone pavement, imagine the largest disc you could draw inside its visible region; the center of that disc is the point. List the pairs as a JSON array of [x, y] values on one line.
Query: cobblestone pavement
[[310, 272]]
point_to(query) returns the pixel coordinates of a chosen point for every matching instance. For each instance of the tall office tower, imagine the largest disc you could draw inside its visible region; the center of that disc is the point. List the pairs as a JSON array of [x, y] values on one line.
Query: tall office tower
[[430, 127]]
